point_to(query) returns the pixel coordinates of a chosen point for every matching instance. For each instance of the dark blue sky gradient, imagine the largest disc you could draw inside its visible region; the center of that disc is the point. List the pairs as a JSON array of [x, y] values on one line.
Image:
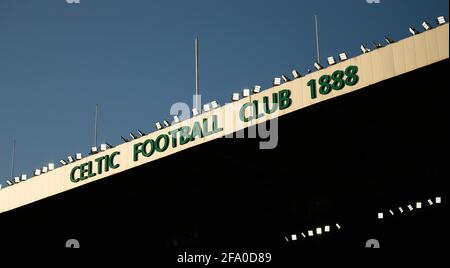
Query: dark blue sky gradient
[[135, 58]]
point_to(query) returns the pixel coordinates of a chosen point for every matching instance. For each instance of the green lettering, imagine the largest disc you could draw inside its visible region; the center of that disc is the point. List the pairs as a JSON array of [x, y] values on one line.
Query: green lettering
[[72, 175], [285, 99]]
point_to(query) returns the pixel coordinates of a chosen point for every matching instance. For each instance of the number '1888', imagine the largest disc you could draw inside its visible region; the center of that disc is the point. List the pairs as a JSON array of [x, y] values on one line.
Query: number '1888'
[[337, 81]]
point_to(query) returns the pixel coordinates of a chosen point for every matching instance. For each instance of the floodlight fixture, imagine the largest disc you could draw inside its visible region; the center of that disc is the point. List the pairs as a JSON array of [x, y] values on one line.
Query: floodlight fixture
[[331, 61], [16, 180], [419, 205], [310, 233], [24, 177], [166, 123], [44, 169], [441, 20], [277, 81], [296, 74], [78, 156], [206, 107], [158, 126], [37, 172], [426, 26], [413, 31], [214, 105], [9, 183], [318, 66], [94, 149], [327, 229], [256, 89], [377, 45], [235, 97], [285, 78], [343, 56], [319, 231], [124, 139], [63, 162], [133, 136], [103, 147], [195, 112], [364, 49], [141, 133], [246, 93], [176, 119], [294, 237], [70, 158], [380, 216], [438, 200], [51, 166], [388, 40]]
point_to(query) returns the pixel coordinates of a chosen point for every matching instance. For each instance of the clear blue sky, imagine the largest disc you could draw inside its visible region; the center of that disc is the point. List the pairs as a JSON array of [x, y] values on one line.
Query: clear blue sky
[[135, 58]]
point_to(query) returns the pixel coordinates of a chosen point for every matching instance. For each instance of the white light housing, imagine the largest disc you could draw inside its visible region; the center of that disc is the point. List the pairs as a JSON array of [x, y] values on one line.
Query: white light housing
[[310, 233], [430, 202], [388, 40], [318, 66], [256, 89], [294, 237], [318, 231], [37, 172], [141, 133], [392, 212], [400, 209], [304, 236], [158, 125], [0, 186], [364, 49], [410, 207], [214, 105], [70, 158], [51, 166], [413, 31], [166, 123], [9, 183], [195, 112], [63, 162], [296, 74], [277, 81], [235, 97], [285, 78], [380, 216], [331, 61], [24, 177], [103, 147], [176, 119], [246, 93], [327, 229], [206, 108], [133, 136], [438, 200], [78, 156], [426, 26], [94, 149], [338, 226], [377, 45], [343, 56], [124, 139], [419, 205], [44, 169], [16, 179], [309, 71], [441, 20]]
